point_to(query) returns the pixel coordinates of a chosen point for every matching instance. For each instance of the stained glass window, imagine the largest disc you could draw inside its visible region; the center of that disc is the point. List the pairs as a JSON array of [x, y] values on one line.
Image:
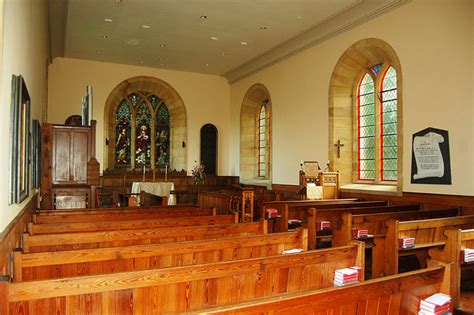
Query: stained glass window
[[143, 135], [134, 98], [388, 122], [377, 117], [154, 100], [123, 132], [162, 127], [366, 128], [262, 141]]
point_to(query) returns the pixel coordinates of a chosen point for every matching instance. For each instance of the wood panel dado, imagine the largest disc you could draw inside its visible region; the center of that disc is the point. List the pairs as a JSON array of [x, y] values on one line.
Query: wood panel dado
[[10, 237]]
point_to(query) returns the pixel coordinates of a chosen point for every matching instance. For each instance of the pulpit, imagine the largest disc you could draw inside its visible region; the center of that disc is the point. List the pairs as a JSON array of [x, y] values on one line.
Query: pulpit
[[318, 184]]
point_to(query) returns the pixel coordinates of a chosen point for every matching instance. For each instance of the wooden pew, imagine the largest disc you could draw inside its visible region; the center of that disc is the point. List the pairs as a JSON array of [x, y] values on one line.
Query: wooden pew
[[208, 199], [186, 288], [428, 234], [456, 240], [398, 294], [74, 227], [71, 263], [118, 215], [68, 241]]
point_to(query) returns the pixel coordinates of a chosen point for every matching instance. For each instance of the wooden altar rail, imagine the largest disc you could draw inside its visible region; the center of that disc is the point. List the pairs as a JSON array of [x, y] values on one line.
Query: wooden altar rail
[[221, 202], [399, 294], [87, 240], [120, 215], [187, 288], [74, 227], [428, 234], [334, 215], [72, 263], [456, 241]]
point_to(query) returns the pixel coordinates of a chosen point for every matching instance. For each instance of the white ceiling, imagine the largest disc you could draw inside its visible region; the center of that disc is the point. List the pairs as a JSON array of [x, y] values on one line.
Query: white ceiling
[[79, 30]]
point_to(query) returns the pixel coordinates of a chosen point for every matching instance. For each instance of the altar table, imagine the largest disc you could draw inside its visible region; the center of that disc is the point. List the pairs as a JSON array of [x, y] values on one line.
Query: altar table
[[156, 188]]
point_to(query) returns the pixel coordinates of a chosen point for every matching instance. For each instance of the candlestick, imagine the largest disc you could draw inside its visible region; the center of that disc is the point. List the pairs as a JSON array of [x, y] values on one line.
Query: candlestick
[[166, 173]]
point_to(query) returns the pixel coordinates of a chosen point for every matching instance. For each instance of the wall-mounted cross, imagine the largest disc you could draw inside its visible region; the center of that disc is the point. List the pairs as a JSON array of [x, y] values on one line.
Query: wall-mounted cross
[[338, 145]]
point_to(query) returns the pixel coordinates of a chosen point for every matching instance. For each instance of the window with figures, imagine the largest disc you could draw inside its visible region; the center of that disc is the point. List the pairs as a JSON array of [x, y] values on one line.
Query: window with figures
[[377, 126], [142, 131]]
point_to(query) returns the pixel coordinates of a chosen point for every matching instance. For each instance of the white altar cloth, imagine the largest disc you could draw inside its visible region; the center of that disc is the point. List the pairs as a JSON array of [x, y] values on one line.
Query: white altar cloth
[[156, 188]]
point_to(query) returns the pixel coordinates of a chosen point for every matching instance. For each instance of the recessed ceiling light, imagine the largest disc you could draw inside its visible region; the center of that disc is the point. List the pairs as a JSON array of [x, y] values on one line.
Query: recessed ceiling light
[[207, 65], [103, 36], [263, 28], [223, 53], [141, 62], [214, 38], [299, 17], [99, 51], [243, 43], [161, 58], [145, 26], [162, 45], [203, 17], [118, 1], [133, 41], [108, 20], [161, 64]]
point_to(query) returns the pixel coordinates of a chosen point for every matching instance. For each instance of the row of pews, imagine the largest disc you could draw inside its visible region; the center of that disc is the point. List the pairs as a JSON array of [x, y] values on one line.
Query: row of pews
[[174, 259]]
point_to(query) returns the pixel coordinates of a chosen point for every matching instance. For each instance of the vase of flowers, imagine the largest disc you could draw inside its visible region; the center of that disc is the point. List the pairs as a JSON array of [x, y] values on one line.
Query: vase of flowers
[[198, 174]]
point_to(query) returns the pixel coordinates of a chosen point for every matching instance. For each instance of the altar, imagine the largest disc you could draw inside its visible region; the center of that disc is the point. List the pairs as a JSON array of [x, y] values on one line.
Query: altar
[[156, 188]]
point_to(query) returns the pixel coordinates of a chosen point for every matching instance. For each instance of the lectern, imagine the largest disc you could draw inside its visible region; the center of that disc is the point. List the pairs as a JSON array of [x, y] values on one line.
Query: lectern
[[327, 183]]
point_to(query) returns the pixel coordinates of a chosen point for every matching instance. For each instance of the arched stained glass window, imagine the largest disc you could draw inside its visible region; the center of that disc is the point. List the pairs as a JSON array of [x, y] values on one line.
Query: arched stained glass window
[[162, 127], [366, 128], [134, 98], [262, 140], [143, 136], [123, 134], [388, 122]]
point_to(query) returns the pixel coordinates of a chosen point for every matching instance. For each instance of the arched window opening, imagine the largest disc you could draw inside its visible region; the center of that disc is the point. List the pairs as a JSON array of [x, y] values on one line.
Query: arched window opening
[[366, 128], [388, 122], [262, 140]]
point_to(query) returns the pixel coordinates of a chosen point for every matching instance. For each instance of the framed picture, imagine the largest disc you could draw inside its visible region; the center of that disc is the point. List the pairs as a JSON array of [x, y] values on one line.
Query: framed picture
[[19, 141]]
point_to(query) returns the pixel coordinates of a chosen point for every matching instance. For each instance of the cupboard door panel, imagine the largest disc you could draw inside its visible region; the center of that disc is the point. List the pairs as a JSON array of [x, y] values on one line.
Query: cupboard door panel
[[61, 157], [80, 156]]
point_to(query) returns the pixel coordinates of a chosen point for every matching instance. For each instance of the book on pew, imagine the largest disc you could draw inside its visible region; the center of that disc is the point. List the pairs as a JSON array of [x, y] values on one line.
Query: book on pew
[[292, 251], [347, 276], [406, 242], [273, 213], [467, 255], [359, 233], [438, 303], [323, 225]]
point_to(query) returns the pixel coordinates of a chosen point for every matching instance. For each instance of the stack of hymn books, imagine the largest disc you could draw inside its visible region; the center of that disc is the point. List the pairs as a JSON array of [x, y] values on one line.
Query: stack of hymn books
[[359, 233], [347, 276], [406, 242], [273, 213], [437, 304], [322, 225], [468, 254]]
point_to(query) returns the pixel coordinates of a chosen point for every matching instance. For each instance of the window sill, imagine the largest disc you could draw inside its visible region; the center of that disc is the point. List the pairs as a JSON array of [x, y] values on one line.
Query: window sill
[[371, 189]]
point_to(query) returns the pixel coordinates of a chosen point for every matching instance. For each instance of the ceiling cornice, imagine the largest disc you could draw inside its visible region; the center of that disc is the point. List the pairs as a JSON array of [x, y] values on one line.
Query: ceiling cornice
[[344, 21]]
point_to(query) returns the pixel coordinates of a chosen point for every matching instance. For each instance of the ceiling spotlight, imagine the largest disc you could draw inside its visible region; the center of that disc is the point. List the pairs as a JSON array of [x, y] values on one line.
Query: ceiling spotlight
[[213, 38], [203, 17], [99, 51], [263, 28], [243, 43], [118, 1], [162, 45], [161, 59], [141, 62], [299, 17], [108, 20], [103, 36], [145, 26], [207, 65], [161, 64], [223, 53]]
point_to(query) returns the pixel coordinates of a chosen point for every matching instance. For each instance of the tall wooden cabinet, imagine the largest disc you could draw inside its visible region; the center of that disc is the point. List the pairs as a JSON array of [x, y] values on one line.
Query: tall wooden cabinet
[[66, 151]]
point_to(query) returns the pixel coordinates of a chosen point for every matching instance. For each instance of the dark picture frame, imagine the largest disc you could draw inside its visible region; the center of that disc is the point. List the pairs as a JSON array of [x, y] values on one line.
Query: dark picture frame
[[19, 176]]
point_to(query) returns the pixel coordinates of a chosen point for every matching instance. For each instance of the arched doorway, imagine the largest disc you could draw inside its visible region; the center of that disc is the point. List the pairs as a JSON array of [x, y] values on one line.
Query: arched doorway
[[209, 148]]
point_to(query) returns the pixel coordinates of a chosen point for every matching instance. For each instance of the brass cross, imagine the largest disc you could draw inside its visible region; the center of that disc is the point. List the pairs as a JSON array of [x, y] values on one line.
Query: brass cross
[[338, 145]]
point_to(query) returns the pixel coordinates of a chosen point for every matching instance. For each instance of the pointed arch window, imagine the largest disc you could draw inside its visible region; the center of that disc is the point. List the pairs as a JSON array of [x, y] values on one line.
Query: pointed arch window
[[262, 150], [377, 125], [142, 131]]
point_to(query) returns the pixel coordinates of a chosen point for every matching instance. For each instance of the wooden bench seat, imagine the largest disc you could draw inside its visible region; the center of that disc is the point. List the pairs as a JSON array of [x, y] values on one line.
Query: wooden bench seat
[[398, 294], [69, 241], [75, 227], [186, 288], [116, 215], [427, 233], [456, 241], [61, 264]]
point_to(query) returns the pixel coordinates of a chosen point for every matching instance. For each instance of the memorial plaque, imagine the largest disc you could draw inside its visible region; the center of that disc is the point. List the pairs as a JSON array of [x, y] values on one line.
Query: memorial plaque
[[430, 163]]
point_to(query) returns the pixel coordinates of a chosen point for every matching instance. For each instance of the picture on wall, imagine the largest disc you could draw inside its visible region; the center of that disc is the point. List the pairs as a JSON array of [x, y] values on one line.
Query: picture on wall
[[430, 157], [19, 174]]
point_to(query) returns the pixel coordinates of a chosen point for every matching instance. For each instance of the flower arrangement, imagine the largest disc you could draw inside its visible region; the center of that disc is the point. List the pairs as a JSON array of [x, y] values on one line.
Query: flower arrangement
[[198, 174]]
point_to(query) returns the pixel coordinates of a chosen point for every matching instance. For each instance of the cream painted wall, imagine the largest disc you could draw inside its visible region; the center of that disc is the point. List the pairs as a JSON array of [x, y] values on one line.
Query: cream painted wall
[[434, 42], [206, 98], [24, 46]]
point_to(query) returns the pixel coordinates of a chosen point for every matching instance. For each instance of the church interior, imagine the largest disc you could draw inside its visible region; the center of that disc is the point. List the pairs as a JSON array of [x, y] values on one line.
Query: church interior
[[237, 157]]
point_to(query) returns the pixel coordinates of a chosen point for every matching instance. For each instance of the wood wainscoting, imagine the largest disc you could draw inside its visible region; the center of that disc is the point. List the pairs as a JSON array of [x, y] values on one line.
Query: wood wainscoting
[[10, 237]]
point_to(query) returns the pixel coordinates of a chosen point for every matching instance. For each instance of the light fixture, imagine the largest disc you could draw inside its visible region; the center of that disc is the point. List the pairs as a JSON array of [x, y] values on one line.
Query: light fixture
[[145, 26], [214, 38], [299, 17], [263, 28], [243, 43], [103, 36], [223, 53], [162, 45], [161, 58], [203, 17], [118, 1], [99, 51], [108, 20], [141, 62], [208, 65]]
